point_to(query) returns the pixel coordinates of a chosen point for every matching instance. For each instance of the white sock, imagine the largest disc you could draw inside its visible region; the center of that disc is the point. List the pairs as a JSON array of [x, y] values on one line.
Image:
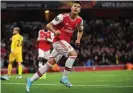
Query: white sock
[[40, 64], [68, 65], [43, 69], [65, 73]]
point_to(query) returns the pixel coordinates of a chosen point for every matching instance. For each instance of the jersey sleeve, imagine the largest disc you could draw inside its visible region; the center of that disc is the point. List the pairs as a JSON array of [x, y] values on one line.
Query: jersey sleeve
[[13, 43], [38, 38], [57, 20]]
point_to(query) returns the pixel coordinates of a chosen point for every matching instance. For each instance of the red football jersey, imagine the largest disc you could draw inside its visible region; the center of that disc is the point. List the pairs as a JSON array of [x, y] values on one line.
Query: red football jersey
[[44, 44], [66, 25]]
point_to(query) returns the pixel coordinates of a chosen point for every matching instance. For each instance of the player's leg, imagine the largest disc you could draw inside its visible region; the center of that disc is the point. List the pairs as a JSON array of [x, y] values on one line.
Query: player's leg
[[10, 68], [11, 60], [68, 51], [19, 61], [41, 59], [41, 55], [44, 55], [69, 63], [20, 69], [40, 63], [55, 67], [42, 70], [68, 68], [10, 64]]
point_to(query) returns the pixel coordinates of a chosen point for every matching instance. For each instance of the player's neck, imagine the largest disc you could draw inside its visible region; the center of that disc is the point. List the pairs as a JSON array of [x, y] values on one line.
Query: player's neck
[[16, 34], [72, 16]]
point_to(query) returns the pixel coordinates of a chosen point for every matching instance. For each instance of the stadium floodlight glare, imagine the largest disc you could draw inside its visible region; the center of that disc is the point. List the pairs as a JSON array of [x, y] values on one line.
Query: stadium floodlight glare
[[47, 11]]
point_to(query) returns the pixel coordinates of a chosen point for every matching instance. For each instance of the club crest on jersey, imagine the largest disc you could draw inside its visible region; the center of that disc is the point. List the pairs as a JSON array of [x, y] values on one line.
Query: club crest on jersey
[[56, 18]]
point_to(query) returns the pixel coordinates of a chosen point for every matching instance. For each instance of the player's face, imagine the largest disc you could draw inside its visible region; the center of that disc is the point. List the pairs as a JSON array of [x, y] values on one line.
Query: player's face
[[75, 8], [15, 31]]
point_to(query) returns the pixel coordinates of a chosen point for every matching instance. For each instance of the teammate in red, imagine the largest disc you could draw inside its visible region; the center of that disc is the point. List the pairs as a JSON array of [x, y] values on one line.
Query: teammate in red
[[45, 38], [63, 27]]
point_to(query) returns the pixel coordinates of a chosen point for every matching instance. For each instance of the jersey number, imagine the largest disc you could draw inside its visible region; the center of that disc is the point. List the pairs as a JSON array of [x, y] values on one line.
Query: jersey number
[[19, 43]]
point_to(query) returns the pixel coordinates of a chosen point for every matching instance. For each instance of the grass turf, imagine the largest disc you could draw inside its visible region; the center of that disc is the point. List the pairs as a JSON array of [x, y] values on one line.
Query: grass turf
[[84, 82]]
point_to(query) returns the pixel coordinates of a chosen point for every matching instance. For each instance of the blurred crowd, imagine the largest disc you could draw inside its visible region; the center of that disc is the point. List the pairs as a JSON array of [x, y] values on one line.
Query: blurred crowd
[[105, 42]]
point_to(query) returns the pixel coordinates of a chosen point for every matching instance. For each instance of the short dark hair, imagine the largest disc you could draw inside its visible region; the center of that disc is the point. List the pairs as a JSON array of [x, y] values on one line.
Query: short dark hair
[[78, 2]]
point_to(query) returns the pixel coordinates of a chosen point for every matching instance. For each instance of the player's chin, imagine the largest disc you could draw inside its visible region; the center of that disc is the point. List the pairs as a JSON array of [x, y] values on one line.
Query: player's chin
[[76, 13]]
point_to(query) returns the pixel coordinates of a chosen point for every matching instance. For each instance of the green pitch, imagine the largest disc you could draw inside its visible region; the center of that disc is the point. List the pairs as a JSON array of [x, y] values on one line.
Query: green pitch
[[84, 82]]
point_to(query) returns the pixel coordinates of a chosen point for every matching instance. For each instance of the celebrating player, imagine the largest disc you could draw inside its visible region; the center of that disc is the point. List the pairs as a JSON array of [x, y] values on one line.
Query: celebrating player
[[16, 53], [63, 27]]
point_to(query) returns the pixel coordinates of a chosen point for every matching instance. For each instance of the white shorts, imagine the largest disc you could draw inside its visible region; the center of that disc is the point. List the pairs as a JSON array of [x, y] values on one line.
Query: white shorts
[[43, 54], [61, 48]]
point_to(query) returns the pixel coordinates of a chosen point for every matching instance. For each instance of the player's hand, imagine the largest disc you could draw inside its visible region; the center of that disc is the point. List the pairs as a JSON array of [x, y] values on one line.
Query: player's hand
[[57, 33], [77, 42], [45, 38], [12, 52]]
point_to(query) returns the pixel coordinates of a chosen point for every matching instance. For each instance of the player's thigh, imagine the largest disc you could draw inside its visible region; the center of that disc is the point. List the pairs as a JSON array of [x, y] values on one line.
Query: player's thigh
[[52, 57], [54, 53], [46, 54], [40, 53], [63, 47], [12, 57], [19, 58]]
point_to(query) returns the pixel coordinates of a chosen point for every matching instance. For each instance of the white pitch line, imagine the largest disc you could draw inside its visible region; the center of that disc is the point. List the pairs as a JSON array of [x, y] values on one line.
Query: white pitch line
[[100, 81], [111, 75], [99, 86]]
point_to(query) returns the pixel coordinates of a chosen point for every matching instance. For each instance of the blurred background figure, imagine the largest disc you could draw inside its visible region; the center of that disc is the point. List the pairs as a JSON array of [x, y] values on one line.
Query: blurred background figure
[[45, 38], [16, 53]]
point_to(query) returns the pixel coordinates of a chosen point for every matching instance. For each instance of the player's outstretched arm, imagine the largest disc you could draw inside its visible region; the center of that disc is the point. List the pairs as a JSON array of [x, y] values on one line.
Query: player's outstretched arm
[[50, 27], [79, 34]]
